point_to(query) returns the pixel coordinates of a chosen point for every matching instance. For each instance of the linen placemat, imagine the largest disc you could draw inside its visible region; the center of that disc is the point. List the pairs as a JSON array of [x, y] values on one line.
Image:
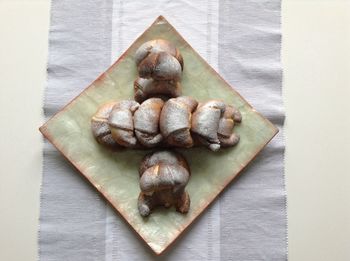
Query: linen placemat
[[242, 41]]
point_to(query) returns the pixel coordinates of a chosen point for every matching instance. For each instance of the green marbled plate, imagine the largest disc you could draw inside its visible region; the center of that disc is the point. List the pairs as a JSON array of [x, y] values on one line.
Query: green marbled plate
[[115, 174]]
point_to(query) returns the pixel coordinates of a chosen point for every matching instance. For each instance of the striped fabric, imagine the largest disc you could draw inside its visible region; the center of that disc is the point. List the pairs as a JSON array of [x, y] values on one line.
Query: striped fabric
[[240, 39]]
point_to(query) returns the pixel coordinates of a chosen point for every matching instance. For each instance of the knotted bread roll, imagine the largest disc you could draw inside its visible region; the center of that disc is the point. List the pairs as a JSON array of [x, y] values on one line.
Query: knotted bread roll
[[205, 123], [175, 121], [121, 123], [146, 122], [160, 65], [100, 128], [163, 177]]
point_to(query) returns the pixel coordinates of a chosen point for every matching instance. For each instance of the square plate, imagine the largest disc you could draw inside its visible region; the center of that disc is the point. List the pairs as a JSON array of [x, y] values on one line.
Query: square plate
[[115, 174]]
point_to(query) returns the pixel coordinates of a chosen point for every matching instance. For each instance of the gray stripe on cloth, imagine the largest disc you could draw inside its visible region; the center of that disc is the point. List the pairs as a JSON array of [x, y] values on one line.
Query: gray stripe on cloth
[[72, 216], [253, 208]]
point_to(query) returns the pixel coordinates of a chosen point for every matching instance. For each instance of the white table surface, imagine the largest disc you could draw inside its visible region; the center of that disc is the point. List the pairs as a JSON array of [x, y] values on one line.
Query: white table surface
[[316, 58]]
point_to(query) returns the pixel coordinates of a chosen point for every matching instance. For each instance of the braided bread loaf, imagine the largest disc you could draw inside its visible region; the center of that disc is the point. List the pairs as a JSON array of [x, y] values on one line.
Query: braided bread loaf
[[178, 122]]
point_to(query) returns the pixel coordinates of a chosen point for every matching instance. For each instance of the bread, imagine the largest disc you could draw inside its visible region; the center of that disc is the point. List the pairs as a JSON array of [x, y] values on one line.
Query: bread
[[146, 88], [160, 66], [146, 122], [163, 177], [178, 122], [175, 121], [205, 123], [166, 157], [100, 128], [227, 122], [157, 46], [121, 123]]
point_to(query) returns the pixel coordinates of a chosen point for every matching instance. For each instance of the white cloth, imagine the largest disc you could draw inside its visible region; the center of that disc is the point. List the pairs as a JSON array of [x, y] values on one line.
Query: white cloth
[[242, 40]]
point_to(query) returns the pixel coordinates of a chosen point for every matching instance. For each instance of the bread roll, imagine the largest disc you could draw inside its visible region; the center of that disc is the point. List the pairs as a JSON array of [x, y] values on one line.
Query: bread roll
[[100, 128], [163, 177], [205, 123], [121, 123], [175, 121], [146, 122]]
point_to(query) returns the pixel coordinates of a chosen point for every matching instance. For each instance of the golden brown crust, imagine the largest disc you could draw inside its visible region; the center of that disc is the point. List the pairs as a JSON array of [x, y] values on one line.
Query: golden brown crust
[[160, 62], [156, 46], [146, 122], [175, 121], [146, 88], [225, 131], [163, 156], [178, 122], [100, 128], [160, 66], [205, 123], [163, 177], [121, 123]]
